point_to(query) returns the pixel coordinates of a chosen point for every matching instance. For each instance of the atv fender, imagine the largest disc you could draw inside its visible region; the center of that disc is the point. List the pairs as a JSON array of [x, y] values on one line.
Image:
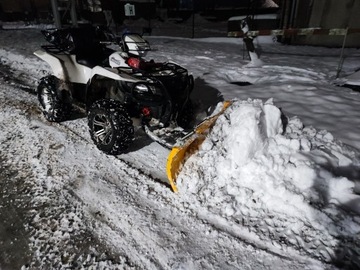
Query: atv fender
[[111, 73], [65, 67], [54, 63]]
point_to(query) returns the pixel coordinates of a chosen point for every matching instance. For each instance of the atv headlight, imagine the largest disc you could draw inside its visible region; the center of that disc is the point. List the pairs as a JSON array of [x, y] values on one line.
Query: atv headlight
[[141, 88], [147, 89]]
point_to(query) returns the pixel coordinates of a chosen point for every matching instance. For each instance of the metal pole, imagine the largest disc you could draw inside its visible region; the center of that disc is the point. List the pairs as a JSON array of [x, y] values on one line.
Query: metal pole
[[56, 14], [286, 16], [341, 60], [73, 13], [193, 21]]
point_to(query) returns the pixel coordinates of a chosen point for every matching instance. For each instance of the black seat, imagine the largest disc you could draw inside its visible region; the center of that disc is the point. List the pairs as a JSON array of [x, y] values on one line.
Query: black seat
[[87, 47]]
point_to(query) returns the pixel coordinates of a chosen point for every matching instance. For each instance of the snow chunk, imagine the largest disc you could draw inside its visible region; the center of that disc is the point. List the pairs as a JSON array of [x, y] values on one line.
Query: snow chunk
[[239, 135]]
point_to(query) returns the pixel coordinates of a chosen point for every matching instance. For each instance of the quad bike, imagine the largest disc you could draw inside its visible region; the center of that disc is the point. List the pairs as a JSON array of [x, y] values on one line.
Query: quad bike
[[118, 88]]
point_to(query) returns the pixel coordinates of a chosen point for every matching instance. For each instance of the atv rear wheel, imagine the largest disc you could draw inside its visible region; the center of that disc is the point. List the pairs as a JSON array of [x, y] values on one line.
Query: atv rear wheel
[[53, 107], [110, 126]]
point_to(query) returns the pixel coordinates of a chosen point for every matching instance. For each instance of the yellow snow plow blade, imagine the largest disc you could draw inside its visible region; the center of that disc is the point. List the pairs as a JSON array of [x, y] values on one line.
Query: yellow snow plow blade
[[188, 145]]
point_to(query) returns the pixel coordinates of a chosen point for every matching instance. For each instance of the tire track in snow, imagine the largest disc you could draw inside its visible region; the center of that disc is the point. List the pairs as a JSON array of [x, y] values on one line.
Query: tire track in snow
[[170, 231], [49, 218]]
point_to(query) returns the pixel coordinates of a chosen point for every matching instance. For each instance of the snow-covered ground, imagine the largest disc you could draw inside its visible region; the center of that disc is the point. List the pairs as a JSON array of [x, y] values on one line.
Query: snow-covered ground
[[269, 188]]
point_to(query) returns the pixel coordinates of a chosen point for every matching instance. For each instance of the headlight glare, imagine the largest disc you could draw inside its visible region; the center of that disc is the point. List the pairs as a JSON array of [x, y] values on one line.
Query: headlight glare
[[141, 88]]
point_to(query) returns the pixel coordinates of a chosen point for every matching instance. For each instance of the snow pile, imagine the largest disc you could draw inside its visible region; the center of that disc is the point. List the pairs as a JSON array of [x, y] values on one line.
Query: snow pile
[[269, 4], [353, 79], [285, 182]]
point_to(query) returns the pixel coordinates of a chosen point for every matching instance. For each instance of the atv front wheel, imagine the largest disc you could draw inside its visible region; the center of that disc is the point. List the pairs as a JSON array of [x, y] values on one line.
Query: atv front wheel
[[110, 126], [53, 107]]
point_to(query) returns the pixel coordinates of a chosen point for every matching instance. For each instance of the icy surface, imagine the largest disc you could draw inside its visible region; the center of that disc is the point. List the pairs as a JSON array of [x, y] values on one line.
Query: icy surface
[[353, 79]]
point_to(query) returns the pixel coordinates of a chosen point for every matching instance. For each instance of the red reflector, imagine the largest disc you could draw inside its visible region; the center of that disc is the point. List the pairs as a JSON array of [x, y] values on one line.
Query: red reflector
[[146, 111], [134, 62]]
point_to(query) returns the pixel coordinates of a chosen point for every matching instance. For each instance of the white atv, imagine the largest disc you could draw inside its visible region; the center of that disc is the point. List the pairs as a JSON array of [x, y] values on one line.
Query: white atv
[[118, 87]]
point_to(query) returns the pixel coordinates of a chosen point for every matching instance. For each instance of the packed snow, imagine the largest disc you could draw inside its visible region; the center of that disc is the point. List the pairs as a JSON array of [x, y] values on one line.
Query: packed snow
[[353, 79], [274, 185]]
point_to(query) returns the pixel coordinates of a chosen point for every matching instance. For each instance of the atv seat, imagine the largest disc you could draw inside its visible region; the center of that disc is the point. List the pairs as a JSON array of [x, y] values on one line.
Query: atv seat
[[87, 48], [93, 58]]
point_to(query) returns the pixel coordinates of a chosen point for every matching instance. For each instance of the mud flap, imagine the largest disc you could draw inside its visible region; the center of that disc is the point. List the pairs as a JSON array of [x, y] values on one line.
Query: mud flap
[[188, 145]]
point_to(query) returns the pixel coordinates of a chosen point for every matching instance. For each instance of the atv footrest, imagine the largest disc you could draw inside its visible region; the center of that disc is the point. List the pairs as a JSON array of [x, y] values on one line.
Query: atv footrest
[[167, 136]]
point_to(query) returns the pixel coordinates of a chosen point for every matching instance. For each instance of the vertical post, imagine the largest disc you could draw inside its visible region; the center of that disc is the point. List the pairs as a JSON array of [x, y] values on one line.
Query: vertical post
[[341, 60], [73, 13], [293, 13], [249, 43], [285, 16], [193, 19], [55, 9]]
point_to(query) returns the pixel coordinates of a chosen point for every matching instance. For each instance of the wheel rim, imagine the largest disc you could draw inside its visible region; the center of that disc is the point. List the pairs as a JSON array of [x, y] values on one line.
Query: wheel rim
[[102, 129], [45, 99]]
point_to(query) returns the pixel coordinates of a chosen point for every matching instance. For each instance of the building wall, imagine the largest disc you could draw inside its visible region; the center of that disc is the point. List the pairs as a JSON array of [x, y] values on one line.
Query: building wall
[[329, 14], [24, 5], [13, 10]]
